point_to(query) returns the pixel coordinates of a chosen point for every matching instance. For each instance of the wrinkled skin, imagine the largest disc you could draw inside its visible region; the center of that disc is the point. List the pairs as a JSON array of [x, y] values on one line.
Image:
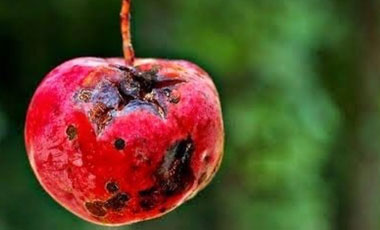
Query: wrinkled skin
[[117, 145]]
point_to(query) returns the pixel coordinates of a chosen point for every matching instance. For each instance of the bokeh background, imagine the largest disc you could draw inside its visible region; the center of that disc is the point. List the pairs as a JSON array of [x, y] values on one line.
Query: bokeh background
[[300, 86]]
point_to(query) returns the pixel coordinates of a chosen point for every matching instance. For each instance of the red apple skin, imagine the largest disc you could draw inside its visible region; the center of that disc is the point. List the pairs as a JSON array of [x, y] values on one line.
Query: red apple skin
[[133, 162]]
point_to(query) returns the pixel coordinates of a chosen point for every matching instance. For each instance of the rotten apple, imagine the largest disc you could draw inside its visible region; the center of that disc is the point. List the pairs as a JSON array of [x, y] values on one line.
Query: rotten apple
[[118, 141]]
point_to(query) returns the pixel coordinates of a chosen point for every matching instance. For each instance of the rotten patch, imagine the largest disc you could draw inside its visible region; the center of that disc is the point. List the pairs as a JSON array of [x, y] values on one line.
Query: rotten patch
[[149, 198], [133, 89], [117, 202], [100, 115], [173, 176]]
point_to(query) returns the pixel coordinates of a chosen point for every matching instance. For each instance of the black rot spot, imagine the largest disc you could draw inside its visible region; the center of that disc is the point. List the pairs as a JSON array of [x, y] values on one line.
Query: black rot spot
[[119, 144], [112, 187], [117, 202], [175, 174], [96, 208], [147, 204], [71, 132], [149, 198], [148, 192]]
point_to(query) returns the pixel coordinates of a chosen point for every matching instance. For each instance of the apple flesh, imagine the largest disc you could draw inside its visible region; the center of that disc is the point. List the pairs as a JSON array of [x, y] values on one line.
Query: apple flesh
[[117, 144]]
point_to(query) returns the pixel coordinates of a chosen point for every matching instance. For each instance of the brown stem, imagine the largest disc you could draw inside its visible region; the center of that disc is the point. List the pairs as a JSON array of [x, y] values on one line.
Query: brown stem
[[129, 54]]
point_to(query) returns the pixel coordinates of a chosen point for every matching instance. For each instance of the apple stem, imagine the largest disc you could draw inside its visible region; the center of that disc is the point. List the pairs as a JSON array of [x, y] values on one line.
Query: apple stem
[[125, 16]]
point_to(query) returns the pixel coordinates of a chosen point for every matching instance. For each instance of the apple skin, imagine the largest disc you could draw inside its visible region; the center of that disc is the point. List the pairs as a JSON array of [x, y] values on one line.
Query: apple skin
[[115, 160]]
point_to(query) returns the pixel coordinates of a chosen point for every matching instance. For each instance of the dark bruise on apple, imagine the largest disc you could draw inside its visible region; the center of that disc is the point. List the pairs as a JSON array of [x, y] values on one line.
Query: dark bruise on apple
[[118, 141]]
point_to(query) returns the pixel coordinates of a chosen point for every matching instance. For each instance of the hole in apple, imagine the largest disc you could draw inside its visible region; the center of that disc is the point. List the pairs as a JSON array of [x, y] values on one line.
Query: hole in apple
[[119, 144]]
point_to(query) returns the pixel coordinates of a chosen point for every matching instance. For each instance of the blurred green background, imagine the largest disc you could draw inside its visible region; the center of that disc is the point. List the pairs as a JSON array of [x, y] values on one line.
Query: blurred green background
[[300, 87]]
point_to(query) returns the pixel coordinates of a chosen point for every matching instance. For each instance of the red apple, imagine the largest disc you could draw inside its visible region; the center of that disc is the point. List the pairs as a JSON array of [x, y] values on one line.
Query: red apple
[[118, 141]]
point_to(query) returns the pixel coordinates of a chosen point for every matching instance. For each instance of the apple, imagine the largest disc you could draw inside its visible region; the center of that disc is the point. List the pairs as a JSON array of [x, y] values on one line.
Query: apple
[[122, 140]]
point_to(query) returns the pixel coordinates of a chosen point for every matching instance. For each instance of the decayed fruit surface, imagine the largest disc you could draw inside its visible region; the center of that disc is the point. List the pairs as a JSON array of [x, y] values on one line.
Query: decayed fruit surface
[[117, 141]]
